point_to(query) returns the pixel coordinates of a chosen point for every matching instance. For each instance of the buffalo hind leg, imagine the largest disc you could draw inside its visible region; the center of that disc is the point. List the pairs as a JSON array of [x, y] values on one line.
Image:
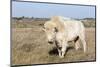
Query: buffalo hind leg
[[77, 44]]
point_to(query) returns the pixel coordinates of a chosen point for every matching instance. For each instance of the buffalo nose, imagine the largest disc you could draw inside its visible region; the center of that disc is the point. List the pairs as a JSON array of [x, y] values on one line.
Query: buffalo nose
[[50, 42]]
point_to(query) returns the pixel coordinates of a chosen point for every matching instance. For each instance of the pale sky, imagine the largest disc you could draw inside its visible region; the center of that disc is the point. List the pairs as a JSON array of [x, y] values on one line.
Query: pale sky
[[45, 10]]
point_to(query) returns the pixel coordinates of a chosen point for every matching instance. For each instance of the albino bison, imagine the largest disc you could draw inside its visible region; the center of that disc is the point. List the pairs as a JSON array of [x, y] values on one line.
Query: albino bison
[[60, 30]]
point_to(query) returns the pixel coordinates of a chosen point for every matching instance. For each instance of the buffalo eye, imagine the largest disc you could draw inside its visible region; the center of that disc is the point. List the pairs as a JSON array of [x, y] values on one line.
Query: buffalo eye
[[56, 30]]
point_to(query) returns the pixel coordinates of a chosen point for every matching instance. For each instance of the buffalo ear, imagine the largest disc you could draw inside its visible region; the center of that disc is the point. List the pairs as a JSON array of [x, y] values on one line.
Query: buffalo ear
[[56, 30], [43, 28]]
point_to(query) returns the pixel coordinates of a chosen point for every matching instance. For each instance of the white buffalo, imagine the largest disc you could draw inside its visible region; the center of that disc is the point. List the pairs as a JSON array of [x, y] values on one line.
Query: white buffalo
[[60, 30]]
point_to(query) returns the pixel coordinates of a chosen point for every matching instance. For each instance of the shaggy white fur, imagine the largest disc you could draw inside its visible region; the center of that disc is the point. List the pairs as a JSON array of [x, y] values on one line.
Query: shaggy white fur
[[61, 30]]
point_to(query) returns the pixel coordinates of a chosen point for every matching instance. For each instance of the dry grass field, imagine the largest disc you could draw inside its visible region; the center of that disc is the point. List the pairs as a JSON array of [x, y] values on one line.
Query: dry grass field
[[29, 46]]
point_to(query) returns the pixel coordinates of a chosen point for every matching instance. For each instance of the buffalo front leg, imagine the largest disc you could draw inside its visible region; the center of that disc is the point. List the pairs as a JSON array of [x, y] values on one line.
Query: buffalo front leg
[[63, 50], [58, 48], [77, 45], [59, 51]]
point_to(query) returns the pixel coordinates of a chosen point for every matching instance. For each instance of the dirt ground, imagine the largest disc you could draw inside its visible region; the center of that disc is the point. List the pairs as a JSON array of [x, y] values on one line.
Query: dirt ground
[[29, 46]]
